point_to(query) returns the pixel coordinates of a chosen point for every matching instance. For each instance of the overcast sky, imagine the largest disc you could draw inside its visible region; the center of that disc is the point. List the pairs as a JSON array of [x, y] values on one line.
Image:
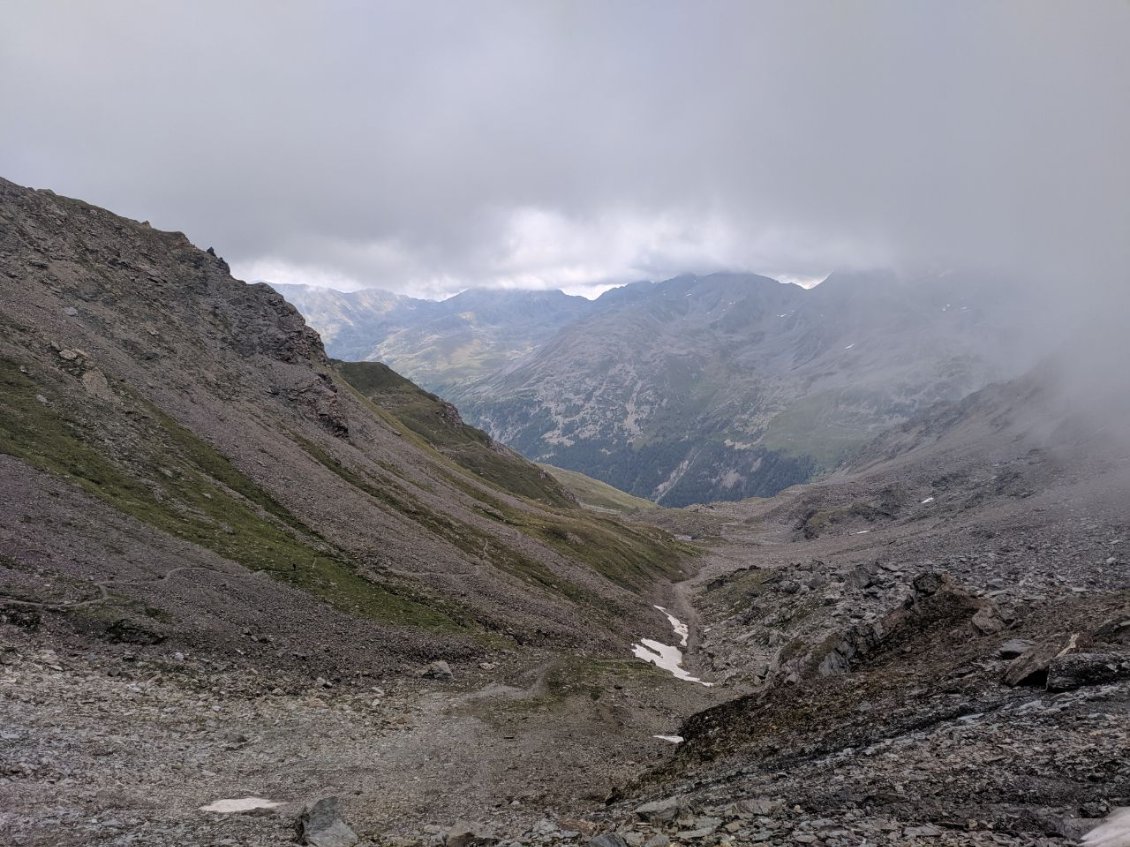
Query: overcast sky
[[427, 147]]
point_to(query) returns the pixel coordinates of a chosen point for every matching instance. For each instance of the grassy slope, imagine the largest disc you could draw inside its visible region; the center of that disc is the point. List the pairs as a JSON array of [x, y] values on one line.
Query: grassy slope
[[180, 485], [596, 494], [632, 556], [437, 423]]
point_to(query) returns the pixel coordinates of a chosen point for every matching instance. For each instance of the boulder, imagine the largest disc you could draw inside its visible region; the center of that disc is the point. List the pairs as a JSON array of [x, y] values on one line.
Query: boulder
[[1031, 668], [987, 620], [609, 839], [1076, 670], [1116, 630], [464, 834], [321, 825], [439, 670], [660, 810], [1014, 648]]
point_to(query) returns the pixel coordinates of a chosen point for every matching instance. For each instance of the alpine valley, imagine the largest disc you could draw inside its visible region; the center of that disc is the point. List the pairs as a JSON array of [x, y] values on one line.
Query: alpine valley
[[252, 594]]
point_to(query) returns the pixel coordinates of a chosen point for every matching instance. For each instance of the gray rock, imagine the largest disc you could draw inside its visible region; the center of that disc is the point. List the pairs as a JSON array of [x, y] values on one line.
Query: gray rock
[[545, 827], [1076, 670], [661, 810], [439, 670], [1116, 630], [987, 621], [609, 839], [928, 583], [1015, 647], [924, 831], [1031, 668], [321, 825], [659, 840], [464, 834], [759, 806]]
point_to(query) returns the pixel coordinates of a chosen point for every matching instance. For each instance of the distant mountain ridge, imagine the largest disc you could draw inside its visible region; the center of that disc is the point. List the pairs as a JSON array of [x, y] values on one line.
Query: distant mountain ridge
[[703, 388], [442, 345]]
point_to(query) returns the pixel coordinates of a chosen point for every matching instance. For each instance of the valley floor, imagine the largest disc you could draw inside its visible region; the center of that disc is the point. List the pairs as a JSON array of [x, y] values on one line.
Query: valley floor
[[861, 656]]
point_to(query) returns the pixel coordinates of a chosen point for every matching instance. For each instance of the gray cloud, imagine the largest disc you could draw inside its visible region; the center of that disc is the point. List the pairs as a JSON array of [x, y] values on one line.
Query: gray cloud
[[430, 146]]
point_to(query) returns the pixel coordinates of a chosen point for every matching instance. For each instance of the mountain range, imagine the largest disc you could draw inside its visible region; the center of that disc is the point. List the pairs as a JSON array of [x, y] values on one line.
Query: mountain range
[[698, 388], [441, 345]]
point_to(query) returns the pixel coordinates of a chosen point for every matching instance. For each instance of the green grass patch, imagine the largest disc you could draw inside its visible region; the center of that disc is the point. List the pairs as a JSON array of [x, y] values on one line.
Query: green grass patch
[[467, 538], [440, 427], [633, 557], [596, 494]]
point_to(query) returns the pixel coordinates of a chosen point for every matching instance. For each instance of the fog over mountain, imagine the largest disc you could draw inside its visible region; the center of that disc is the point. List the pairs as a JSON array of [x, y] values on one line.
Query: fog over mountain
[[431, 147]]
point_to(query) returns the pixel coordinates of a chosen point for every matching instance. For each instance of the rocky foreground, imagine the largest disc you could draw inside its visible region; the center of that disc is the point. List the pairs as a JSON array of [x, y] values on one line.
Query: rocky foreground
[[874, 689]]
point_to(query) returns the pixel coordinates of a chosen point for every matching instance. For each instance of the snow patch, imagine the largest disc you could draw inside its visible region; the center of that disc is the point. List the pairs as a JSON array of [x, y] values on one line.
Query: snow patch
[[1113, 832], [666, 656], [242, 804], [681, 629], [674, 739]]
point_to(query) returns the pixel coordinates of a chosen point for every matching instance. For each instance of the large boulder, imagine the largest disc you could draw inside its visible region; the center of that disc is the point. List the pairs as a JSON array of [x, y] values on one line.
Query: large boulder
[[464, 834], [1031, 667], [609, 839], [321, 825], [661, 810], [1076, 670]]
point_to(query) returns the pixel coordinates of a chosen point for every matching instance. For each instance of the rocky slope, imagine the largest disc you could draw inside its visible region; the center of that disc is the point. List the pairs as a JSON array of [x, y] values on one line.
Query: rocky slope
[[930, 649], [939, 643], [199, 449]]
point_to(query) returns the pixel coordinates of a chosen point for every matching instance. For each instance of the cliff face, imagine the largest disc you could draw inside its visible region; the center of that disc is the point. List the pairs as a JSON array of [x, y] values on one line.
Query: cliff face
[[151, 398]]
